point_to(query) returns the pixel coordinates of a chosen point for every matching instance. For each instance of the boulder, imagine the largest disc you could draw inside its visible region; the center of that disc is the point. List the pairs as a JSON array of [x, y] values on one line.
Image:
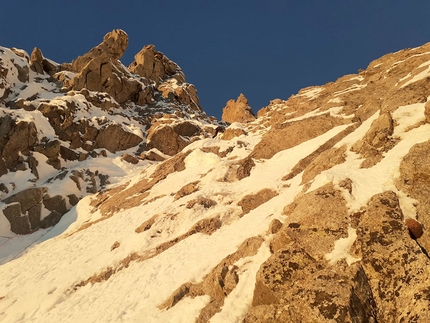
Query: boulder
[[114, 138], [166, 140], [130, 159], [186, 129], [238, 111], [56, 203], [23, 210]]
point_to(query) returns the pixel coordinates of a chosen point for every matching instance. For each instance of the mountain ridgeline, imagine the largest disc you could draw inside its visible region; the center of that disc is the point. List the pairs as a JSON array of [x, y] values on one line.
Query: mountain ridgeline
[[315, 209]]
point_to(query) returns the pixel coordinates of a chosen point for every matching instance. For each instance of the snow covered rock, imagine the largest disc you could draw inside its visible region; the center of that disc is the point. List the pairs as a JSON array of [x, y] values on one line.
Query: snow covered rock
[[154, 65], [316, 211]]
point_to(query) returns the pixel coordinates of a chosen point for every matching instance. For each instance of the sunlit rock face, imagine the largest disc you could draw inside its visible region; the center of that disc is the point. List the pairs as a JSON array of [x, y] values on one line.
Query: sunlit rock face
[[113, 177]]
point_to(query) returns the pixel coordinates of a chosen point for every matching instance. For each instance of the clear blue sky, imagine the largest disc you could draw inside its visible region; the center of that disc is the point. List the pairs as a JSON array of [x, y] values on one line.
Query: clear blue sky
[[265, 49]]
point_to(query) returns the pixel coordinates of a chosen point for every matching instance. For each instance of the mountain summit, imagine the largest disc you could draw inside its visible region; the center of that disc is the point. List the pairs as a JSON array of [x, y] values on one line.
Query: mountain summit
[[122, 201]]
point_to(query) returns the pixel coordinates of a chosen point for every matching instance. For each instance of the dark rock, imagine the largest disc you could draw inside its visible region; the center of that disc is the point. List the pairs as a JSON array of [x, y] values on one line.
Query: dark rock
[[27, 198], [56, 203], [73, 199], [68, 154], [52, 219], [414, 227], [114, 138], [21, 138], [186, 129], [130, 159]]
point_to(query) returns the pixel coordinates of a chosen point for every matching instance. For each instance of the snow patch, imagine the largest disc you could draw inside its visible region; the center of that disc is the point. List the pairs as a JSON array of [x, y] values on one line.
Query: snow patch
[[341, 249]]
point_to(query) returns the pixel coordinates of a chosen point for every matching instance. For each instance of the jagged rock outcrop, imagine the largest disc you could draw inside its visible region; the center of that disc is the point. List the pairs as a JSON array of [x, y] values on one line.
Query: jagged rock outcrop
[[238, 111], [40, 65], [17, 139], [376, 141], [154, 65], [316, 211], [24, 210], [113, 47], [303, 281], [86, 109], [413, 180], [397, 268]]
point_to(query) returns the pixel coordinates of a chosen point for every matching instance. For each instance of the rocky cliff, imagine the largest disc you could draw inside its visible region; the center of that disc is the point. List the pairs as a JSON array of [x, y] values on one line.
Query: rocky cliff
[[315, 210], [56, 116]]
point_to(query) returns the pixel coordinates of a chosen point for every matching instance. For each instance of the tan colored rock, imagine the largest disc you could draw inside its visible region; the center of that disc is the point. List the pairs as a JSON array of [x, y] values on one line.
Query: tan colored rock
[[154, 155], [427, 112], [40, 64], [186, 129], [231, 133], [115, 138], [187, 190], [155, 66], [203, 201], [252, 201], [112, 47], [103, 75], [238, 111], [165, 139], [291, 286], [413, 180], [274, 226], [325, 160], [245, 167], [291, 134], [376, 140], [397, 268], [183, 93], [36, 61], [130, 159], [320, 215]]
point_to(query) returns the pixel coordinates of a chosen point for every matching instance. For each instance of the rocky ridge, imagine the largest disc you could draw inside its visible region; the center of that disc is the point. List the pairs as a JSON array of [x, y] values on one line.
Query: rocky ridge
[[56, 114], [314, 211]]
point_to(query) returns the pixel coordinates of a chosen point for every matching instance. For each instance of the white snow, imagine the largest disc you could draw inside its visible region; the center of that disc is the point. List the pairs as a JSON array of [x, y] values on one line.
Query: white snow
[[341, 249], [311, 93], [423, 74], [41, 273], [354, 87]]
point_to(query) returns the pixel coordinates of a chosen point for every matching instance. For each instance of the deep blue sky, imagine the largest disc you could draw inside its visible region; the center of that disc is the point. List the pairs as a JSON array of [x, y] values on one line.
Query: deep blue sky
[[265, 49]]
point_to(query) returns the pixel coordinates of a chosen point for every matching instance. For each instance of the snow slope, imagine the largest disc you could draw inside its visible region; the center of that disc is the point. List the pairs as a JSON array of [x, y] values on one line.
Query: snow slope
[[99, 267]]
